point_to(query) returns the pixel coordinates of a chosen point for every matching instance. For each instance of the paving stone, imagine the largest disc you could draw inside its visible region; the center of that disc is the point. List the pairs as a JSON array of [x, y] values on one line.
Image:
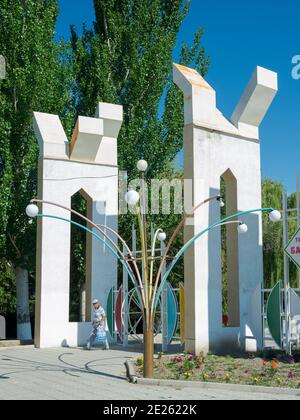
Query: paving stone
[[75, 374]]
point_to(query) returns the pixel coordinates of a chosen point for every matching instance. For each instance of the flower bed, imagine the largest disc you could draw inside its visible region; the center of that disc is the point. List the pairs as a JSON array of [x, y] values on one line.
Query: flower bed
[[266, 370]]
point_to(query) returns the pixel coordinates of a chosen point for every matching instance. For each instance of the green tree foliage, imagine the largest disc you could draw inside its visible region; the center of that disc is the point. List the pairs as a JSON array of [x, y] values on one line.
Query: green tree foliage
[[273, 239], [7, 288], [272, 195], [127, 59], [78, 258], [38, 79], [293, 225]]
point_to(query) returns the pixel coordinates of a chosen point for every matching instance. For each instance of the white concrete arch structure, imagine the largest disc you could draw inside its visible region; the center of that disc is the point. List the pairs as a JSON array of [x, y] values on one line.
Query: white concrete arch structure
[[214, 147], [87, 164]]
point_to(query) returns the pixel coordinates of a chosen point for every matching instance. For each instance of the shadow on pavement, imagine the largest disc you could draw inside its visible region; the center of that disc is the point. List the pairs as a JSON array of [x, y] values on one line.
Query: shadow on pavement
[[20, 365]]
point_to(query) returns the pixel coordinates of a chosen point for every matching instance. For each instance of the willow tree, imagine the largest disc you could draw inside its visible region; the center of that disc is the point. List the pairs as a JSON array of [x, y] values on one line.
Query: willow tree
[[293, 226], [273, 234], [37, 79], [272, 193]]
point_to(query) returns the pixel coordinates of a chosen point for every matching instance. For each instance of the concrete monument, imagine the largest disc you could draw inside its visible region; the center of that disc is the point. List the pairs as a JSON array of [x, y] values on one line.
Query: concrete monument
[[216, 148], [86, 164]]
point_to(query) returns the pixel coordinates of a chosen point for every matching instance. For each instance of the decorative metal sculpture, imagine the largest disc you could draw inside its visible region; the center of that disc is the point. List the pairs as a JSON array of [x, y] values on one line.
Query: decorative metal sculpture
[[148, 291]]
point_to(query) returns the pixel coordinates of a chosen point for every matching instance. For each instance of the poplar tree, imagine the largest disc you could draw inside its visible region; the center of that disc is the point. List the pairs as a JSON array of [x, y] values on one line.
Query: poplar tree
[[127, 59], [37, 79]]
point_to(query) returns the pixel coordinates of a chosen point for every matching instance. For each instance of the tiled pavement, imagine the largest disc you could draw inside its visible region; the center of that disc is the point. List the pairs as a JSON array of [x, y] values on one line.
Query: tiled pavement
[[76, 374]]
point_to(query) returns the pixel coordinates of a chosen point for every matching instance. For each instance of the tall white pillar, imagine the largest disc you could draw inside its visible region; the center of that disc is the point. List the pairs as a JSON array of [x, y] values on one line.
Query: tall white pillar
[[87, 164], [216, 147]]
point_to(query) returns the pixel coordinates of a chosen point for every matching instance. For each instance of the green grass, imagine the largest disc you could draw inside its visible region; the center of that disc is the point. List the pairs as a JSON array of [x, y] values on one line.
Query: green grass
[[271, 369]]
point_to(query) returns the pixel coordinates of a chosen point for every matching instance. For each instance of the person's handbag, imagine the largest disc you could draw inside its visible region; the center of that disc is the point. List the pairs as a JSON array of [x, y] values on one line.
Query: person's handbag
[[101, 334]]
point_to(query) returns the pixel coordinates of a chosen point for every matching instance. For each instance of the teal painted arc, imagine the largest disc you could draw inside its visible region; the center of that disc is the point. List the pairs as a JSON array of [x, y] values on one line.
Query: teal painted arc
[[47, 216], [172, 313], [274, 314], [191, 241]]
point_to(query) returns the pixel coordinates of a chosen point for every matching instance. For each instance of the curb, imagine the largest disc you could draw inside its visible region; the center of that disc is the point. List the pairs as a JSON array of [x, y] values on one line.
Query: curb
[[3, 349], [207, 385], [218, 386], [131, 375], [15, 343]]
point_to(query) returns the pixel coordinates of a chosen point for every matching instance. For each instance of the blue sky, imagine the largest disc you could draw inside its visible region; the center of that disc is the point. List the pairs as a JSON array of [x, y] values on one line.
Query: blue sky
[[238, 36]]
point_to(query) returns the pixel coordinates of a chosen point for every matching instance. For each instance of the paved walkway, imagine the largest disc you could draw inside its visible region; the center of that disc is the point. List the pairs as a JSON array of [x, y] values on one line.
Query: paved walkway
[[59, 374]]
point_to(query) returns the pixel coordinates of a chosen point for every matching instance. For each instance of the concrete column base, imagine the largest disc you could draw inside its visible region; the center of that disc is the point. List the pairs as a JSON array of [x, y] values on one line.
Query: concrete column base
[[196, 347]]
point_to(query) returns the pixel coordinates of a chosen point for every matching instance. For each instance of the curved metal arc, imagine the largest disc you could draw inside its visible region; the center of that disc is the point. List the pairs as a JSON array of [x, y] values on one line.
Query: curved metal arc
[[174, 235], [145, 263], [191, 241], [95, 235], [98, 227]]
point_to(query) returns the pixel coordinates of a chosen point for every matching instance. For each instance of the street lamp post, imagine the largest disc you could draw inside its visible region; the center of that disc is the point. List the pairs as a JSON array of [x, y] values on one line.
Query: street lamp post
[[151, 288]]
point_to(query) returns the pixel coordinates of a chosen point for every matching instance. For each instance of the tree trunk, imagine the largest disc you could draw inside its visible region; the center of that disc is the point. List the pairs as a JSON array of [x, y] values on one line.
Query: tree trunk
[[148, 352], [23, 315]]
